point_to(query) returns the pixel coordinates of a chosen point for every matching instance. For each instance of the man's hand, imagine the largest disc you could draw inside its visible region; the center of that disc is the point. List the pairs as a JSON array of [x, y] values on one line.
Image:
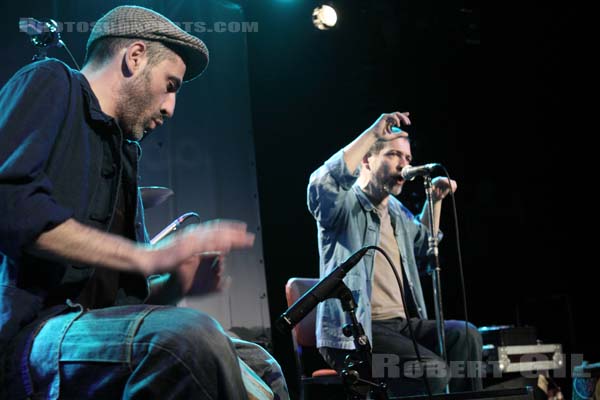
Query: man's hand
[[441, 188], [214, 237], [194, 259], [387, 126], [74, 242], [202, 274]]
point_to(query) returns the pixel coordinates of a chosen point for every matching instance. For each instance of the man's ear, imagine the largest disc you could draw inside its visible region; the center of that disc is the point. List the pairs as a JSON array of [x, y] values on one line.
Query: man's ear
[[365, 161], [135, 58]]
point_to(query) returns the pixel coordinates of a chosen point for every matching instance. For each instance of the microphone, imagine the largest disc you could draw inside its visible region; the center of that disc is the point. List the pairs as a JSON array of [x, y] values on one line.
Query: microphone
[[321, 291], [43, 34], [409, 172], [172, 226]]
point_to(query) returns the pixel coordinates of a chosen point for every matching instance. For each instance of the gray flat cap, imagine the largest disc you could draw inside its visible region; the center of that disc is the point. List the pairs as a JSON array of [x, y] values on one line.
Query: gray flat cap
[[142, 23]]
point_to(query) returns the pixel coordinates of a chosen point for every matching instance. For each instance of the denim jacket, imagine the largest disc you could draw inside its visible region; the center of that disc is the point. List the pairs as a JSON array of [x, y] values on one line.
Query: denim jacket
[[61, 157], [346, 222]]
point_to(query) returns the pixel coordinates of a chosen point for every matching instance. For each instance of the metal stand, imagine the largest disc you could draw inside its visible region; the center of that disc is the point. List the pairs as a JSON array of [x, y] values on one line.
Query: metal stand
[[435, 269], [48, 37], [356, 374], [44, 35], [172, 227]]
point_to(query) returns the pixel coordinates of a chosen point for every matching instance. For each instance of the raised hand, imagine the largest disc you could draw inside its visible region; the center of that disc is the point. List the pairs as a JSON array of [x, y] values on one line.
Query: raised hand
[[387, 126]]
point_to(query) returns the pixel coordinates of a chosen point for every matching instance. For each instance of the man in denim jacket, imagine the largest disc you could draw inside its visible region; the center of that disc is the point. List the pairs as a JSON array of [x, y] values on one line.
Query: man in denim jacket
[[352, 199]]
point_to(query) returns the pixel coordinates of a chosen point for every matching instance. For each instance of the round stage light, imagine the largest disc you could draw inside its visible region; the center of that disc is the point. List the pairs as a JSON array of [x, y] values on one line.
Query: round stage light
[[324, 17]]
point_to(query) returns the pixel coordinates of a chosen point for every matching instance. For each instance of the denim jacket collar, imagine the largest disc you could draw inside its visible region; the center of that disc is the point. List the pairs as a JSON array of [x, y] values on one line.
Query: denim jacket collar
[[393, 206], [363, 199]]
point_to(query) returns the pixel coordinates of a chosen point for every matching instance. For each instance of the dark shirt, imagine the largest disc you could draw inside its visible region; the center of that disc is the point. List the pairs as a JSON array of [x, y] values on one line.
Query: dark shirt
[[102, 288], [61, 157]]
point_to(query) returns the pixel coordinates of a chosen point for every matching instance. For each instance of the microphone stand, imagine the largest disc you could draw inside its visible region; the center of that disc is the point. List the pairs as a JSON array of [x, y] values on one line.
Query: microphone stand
[[357, 371], [49, 37], [434, 260], [172, 226]]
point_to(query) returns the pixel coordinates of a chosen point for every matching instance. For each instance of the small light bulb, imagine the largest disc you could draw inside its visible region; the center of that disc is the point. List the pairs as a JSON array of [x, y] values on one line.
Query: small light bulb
[[324, 17]]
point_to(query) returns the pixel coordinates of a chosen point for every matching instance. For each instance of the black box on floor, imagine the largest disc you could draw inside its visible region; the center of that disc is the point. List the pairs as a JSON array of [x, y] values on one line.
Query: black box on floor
[[508, 335]]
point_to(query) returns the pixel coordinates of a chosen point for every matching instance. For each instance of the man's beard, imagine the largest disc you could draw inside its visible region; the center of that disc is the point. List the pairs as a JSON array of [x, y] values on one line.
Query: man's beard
[[391, 186], [134, 106]]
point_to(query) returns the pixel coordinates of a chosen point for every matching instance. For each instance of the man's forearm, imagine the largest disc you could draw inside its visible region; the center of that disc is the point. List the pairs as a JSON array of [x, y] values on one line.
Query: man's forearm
[[437, 211], [74, 242], [356, 150], [441, 188]]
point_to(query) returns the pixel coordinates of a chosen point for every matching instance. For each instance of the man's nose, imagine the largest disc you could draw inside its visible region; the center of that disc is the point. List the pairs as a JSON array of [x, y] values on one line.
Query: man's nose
[[168, 107], [402, 163]]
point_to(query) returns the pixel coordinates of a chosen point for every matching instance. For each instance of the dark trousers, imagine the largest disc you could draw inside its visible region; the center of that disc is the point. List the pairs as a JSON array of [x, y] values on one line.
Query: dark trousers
[[394, 357]]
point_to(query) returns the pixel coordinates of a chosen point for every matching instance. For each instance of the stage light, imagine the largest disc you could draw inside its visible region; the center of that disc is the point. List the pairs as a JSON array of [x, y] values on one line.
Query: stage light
[[324, 17]]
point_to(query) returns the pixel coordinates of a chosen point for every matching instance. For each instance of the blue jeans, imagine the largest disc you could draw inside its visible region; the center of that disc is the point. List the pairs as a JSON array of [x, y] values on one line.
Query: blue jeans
[[129, 352], [264, 365]]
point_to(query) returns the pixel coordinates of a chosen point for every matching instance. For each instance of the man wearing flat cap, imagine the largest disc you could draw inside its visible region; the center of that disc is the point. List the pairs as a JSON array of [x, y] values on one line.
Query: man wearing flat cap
[[83, 298]]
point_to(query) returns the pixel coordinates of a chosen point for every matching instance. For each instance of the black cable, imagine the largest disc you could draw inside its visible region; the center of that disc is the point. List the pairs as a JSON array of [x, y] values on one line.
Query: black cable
[[460, 268], [412, 335], [63, 44]]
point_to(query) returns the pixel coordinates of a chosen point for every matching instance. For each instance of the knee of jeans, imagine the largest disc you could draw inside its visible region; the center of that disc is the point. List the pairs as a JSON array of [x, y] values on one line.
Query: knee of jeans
[[459, 333], [254, 354], [189, 332], [475, 337]]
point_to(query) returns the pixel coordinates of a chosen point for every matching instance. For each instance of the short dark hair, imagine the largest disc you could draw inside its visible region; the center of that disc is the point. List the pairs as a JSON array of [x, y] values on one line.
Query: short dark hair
[[380, 144], [102, 50]]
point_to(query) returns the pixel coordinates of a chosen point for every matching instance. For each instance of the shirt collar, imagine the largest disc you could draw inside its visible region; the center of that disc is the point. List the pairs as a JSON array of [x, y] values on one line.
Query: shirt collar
[[362, 198], [93, 104], [393, 204]]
